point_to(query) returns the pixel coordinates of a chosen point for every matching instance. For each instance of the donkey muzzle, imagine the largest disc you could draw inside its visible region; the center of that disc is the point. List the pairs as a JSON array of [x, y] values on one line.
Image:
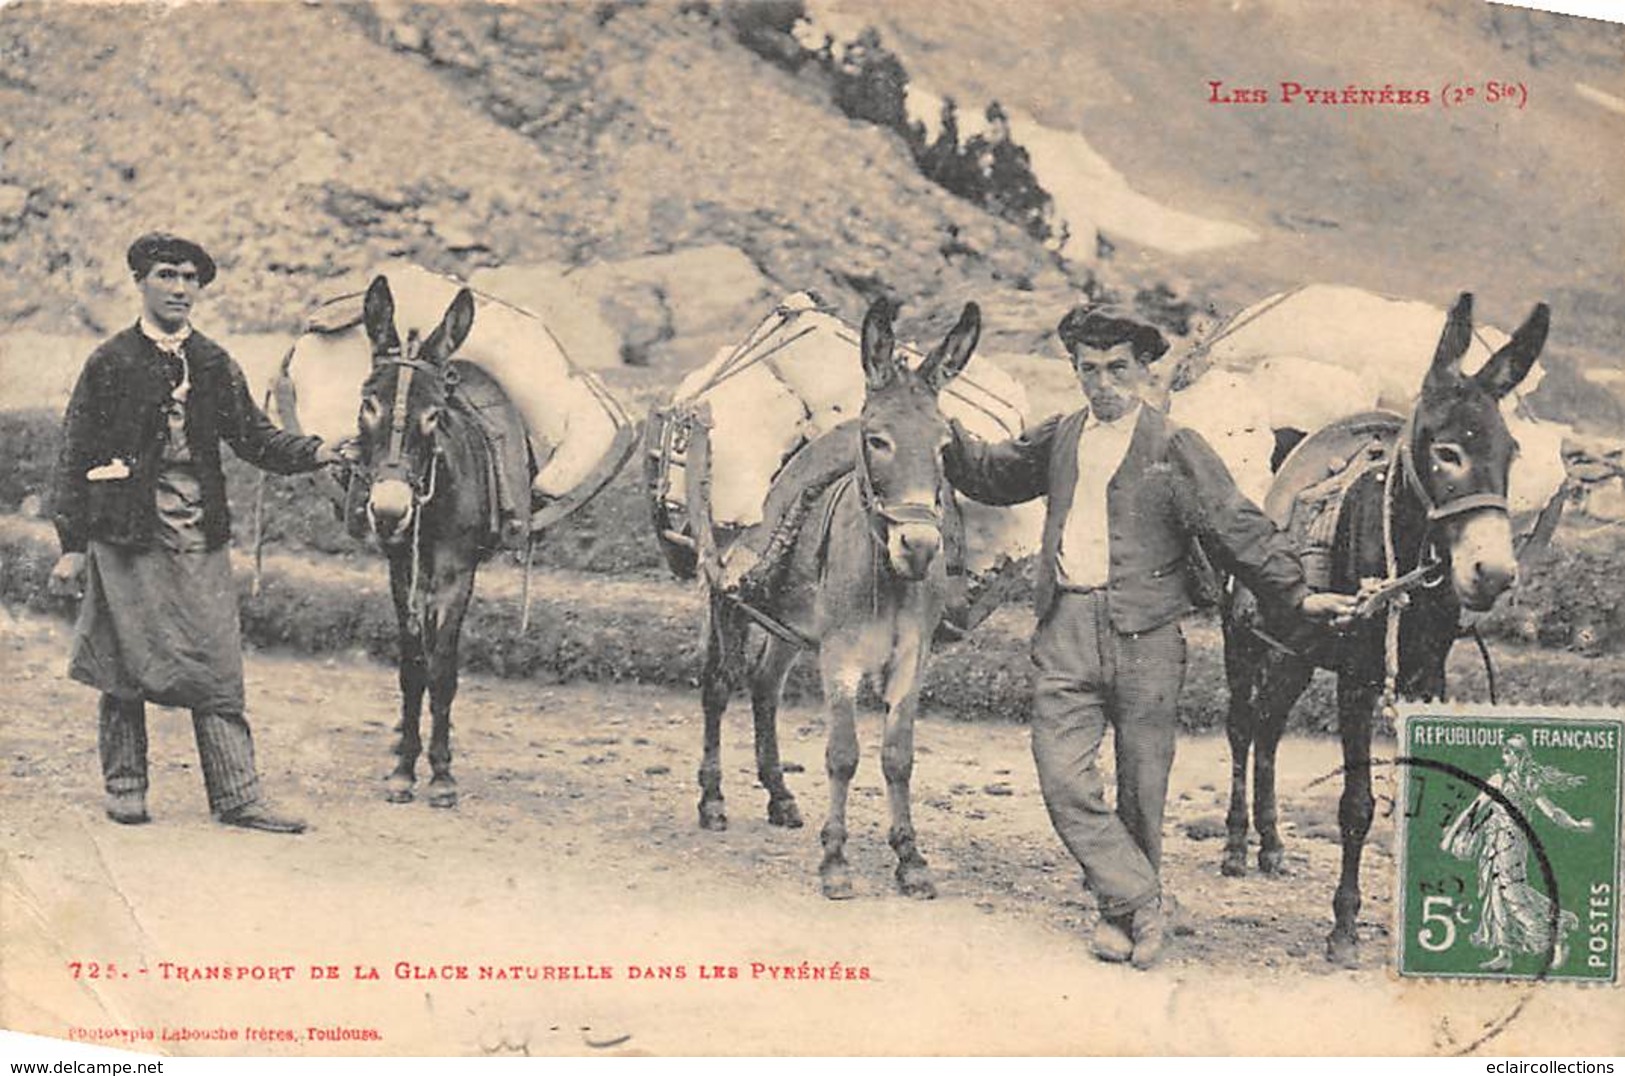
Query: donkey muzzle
[[1483, 561], [389, 506], [913, 539]]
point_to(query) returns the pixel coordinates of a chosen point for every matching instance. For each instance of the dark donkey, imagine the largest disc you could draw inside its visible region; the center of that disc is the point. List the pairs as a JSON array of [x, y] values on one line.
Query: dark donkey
[[867, 586], [428, 503], [1436, 508]]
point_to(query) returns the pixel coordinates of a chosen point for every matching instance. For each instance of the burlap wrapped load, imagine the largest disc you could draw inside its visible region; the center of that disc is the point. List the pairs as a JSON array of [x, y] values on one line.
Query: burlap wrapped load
[[578, 432], [799, 374], [1324, 352]]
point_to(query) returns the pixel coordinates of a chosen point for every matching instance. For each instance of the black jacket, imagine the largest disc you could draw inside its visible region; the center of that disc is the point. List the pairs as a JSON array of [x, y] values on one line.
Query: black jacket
[[117, 412]]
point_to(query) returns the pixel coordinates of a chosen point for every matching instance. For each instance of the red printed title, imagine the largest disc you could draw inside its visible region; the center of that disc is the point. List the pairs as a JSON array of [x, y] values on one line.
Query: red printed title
[[1505, 93], [411, 971]]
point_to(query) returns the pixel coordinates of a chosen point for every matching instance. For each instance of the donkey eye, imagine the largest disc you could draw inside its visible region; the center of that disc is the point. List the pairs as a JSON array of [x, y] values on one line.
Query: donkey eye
[[1449, 455], [429, 420], [371, 412], [878, 443]]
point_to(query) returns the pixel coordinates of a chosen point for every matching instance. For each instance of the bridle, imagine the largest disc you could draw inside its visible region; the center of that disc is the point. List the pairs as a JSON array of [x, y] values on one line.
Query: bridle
[[393, 466], [1393, 592], [882, 515], [1456, 506], [407, 365]]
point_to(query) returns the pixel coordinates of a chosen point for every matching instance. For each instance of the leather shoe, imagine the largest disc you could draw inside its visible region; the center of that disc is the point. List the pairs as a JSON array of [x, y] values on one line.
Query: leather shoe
[[127, 808], [1149, 933], [258, 816], [1111, 942]]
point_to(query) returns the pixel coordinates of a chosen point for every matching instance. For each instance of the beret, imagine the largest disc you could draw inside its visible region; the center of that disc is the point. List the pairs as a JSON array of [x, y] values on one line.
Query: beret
[[1102, 328], [155, 247]]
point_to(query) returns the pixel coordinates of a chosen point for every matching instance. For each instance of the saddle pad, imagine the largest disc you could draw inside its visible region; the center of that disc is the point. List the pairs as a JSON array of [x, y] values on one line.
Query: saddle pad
[[480, 397], [1325, 454]]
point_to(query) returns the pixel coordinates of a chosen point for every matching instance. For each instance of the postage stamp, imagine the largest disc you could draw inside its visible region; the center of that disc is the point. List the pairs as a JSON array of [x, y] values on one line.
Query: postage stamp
[[1509, 838]]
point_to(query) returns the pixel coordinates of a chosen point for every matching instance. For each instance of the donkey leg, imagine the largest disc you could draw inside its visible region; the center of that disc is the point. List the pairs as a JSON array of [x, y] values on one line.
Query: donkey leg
[[841, 679], [414, 679], [1239, 729], [458, 587], [767, 682], [724, 646], [1242, 672], [1356, 698], [897, 763], [1285, 682]]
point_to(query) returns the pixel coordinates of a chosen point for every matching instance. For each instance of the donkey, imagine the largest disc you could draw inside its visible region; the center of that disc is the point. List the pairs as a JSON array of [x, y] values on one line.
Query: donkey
[[867, 587], [428, 505], [1437, 504]]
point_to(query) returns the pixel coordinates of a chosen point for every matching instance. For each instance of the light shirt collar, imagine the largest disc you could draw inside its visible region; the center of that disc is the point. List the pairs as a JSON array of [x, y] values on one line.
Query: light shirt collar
[[1122, 422], [167, 342]]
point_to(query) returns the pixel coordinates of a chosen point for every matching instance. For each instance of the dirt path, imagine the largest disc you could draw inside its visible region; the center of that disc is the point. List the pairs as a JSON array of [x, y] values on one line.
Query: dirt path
[[575, 846]]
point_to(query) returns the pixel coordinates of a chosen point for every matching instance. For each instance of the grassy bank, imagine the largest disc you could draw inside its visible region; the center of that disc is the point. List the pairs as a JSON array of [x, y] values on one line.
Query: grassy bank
[[645, 629]]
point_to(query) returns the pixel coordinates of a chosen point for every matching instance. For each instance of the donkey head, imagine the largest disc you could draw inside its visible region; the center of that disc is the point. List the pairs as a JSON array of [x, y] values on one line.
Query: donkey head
[[1461, 452], [401, 405], [903, 434]]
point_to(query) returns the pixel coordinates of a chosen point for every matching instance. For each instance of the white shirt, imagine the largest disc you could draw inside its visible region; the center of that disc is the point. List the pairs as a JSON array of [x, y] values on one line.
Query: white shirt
[[1084, 559]]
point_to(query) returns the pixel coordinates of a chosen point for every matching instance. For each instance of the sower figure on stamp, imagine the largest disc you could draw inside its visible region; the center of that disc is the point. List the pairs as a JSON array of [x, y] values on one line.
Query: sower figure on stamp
[[1130, 495], [141, 515]]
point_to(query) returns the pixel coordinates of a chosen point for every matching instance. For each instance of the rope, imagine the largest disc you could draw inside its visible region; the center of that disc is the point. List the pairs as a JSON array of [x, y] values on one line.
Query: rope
[[524, 589], [1238, 323], [416, 601], [1390, 642], [1489, 666]]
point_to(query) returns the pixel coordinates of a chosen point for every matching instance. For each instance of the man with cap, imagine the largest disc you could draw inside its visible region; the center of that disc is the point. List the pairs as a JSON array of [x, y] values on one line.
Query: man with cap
[[140, 511], [1131, 497]]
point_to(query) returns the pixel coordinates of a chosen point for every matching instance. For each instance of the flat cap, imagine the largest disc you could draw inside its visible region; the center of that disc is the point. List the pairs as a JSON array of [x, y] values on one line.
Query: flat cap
[[1102, 328], [155, 247]]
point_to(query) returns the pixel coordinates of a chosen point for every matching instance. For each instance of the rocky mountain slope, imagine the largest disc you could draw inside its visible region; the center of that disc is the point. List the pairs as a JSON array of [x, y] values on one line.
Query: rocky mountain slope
[[302, 141], [305, 141]]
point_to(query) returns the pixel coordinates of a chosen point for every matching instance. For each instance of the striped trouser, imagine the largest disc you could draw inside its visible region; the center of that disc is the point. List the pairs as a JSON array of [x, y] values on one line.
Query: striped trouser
[[1091, 676], [224, 745]]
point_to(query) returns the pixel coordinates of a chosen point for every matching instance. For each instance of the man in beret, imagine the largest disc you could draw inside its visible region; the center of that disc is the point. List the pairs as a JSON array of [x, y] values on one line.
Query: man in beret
[[1131, 495], [140, 511]]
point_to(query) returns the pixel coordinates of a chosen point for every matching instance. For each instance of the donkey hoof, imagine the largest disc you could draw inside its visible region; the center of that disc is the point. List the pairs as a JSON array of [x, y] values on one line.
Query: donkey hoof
[[712, 816], [916, 882], [1234, 864], [1342, 950], [1272, 861], [837, 883], [442, 797], [398, 790], [784, 813]]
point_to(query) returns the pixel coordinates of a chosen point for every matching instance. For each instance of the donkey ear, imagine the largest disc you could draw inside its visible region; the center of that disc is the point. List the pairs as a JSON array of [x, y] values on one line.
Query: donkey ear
[[1453, 342], [1509, 366], [879, 343], [378, 312], [945, 363], [453, 329]]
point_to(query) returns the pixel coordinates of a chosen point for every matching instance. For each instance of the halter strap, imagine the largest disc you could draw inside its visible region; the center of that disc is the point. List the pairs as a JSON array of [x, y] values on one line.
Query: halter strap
[[1467, 502], [407, 364], [874, 508]]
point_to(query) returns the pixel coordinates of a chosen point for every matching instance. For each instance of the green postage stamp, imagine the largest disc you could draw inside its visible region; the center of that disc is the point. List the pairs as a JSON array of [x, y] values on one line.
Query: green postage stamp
[[1509, 838]]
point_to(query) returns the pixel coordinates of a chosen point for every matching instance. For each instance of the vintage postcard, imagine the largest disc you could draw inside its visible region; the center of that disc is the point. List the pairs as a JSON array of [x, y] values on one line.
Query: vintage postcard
[[811, 527]]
